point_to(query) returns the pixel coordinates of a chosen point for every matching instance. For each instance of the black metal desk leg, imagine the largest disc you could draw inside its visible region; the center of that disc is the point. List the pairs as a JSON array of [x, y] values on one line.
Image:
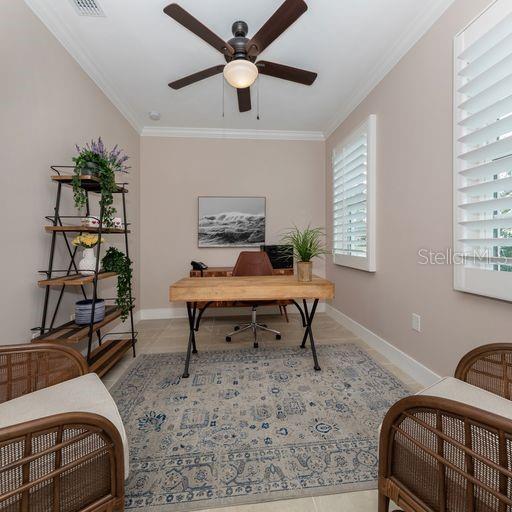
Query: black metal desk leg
[[309, 331], [305, 323], [193, 329], [201, 313], [302, 317], [191, 312]]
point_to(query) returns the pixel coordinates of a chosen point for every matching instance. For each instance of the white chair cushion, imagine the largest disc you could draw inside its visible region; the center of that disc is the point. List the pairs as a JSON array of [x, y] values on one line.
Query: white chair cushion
[[83, 394], [455, 389]]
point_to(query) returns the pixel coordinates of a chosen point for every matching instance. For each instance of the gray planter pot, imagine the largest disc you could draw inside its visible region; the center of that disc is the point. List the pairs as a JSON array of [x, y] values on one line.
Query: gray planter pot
[[83, 311], [89, 169]]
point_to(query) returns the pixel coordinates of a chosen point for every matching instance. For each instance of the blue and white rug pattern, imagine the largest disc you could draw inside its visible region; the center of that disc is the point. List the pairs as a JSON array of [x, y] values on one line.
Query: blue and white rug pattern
[[252, 425]]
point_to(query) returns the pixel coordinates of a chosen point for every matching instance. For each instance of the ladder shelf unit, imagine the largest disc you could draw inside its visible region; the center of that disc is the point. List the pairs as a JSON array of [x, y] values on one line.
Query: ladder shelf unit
[[103, 350]]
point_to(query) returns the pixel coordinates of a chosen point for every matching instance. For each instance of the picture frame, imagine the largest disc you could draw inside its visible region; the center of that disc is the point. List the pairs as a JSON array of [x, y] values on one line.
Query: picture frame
[[231, 221]]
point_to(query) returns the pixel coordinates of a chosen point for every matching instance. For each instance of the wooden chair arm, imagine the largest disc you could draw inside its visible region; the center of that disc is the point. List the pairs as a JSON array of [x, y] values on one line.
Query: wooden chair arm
[[488, 367], [436, 454], [73, 459], [27, 368]]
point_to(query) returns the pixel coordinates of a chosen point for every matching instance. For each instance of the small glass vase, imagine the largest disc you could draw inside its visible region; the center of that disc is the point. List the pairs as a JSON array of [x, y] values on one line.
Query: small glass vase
[[87, 265]]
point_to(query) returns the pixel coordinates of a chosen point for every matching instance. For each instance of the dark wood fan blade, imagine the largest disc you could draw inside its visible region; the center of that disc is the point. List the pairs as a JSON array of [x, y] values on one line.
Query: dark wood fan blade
[[188, 21], [286, 15], [196, 77], [300, 76], [244, 99]]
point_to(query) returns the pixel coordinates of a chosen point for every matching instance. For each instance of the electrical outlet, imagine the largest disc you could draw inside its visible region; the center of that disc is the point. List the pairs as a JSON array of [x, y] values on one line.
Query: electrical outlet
[[72, 317], [35, 333], [416, 322]]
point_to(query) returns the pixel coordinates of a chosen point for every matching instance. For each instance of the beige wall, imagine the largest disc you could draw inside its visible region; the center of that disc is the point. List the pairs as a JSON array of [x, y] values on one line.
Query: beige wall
[[177, 171], [413, 105], [47, 104]]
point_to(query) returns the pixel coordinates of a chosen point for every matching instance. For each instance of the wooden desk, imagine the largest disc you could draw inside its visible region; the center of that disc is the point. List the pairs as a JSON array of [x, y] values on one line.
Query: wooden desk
[[258, 288], [228, 272]]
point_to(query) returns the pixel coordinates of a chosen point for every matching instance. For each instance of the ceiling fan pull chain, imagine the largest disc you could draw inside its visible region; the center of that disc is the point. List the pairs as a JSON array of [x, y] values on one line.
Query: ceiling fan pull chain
[[223, 94], [258, 98]]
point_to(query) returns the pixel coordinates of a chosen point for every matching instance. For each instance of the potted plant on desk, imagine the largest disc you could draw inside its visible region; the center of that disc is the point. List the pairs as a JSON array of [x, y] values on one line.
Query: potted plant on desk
[[307, 244]]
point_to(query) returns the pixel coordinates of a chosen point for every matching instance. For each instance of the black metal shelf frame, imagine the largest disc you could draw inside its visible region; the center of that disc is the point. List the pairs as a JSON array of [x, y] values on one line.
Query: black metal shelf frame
[[56, 220]]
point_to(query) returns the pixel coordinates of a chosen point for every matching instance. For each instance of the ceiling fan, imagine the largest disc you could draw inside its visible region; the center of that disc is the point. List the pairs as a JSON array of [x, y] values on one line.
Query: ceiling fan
[[241, 53]]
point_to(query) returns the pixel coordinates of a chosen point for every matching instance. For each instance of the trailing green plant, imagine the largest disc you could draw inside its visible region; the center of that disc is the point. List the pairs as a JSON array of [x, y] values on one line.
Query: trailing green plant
[[307, 243], [116, 261], [95, 159]]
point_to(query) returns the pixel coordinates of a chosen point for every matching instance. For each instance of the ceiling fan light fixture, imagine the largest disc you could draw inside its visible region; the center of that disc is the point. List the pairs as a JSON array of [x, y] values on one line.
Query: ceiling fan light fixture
[[240, 73]]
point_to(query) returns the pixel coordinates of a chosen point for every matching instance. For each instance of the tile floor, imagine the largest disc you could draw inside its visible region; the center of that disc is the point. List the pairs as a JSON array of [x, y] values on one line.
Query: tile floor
[[157, 336]]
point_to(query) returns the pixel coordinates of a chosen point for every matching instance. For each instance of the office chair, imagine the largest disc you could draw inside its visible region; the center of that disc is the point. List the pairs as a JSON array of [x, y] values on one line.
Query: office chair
[[253, 264]]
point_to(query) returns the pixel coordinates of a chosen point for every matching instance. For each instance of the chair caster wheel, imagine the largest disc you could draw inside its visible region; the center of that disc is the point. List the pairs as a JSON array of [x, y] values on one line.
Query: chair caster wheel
[[278, 336], [237, 328], [228, 338], [264, 325], [255, 345]]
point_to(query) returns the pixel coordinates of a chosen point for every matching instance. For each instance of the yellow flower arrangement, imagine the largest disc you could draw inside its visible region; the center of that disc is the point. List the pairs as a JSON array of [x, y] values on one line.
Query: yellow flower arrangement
[[88, 241]]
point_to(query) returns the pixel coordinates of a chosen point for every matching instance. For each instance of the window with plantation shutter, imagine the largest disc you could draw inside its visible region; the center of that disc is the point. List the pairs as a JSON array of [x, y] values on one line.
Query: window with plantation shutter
[[353, 164], [483, 154]]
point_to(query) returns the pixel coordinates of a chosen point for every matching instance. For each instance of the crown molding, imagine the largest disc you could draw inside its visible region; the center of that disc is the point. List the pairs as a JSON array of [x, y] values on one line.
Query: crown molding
[[221, 133], [57, 27], [418, 28]]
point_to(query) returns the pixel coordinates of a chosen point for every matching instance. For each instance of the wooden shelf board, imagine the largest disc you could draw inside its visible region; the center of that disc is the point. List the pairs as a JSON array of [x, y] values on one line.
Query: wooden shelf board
[[82, 229], [71, 333], [75, 279], [104, 357], [68, 177], [90, 183]]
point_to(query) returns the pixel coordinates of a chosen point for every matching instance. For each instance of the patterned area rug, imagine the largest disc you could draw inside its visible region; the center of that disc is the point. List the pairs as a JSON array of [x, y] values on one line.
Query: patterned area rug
[[252, 425]]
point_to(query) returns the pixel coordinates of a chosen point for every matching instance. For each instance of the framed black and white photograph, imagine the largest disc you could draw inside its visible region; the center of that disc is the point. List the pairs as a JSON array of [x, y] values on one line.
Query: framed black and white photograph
[[231, 221]]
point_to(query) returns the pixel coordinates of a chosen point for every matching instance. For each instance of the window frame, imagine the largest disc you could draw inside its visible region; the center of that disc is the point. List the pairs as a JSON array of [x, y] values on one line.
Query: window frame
[[483, 282], [368, 262]]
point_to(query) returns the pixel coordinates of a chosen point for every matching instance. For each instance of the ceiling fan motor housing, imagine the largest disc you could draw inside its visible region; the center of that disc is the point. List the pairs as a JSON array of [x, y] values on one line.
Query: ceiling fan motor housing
[[240, 29], [239, 42]]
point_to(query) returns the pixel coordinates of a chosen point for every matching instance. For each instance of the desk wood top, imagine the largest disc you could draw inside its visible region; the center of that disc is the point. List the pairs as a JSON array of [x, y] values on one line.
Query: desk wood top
[[195, 289]]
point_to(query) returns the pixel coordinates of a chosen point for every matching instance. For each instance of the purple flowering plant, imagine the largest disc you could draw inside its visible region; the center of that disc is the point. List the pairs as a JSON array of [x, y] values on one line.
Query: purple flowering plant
[[94, 159]]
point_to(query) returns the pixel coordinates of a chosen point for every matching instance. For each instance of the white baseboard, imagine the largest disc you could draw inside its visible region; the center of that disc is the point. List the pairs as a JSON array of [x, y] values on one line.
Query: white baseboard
[[169, 313], [404, 362]]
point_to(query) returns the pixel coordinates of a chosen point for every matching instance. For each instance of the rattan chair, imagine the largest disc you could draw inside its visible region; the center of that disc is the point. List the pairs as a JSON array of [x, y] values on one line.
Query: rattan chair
[[438, 454], [67, 462]]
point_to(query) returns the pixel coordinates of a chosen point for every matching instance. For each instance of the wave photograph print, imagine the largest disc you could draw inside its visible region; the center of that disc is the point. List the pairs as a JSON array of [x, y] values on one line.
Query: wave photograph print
[[231, 221]]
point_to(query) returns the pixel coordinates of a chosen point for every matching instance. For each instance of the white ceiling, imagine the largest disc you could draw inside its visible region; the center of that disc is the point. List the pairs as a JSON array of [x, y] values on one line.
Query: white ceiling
[[135, 50]]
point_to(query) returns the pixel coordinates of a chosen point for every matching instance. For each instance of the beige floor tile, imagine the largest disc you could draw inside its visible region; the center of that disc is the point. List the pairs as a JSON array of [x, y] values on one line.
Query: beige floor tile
[[108, 382], [153, 324], [298, 505], [146, 337], [150, 333], [120, 367], [167, 345], [362, 501]]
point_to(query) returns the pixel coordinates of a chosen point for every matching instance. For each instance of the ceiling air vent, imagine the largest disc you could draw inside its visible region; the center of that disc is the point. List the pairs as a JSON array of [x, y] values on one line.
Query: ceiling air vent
[[88, 8]]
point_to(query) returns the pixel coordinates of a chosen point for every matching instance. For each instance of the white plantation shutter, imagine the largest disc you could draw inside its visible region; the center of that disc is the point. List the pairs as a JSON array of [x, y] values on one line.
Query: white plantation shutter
[[353, 165], [483, 154]]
